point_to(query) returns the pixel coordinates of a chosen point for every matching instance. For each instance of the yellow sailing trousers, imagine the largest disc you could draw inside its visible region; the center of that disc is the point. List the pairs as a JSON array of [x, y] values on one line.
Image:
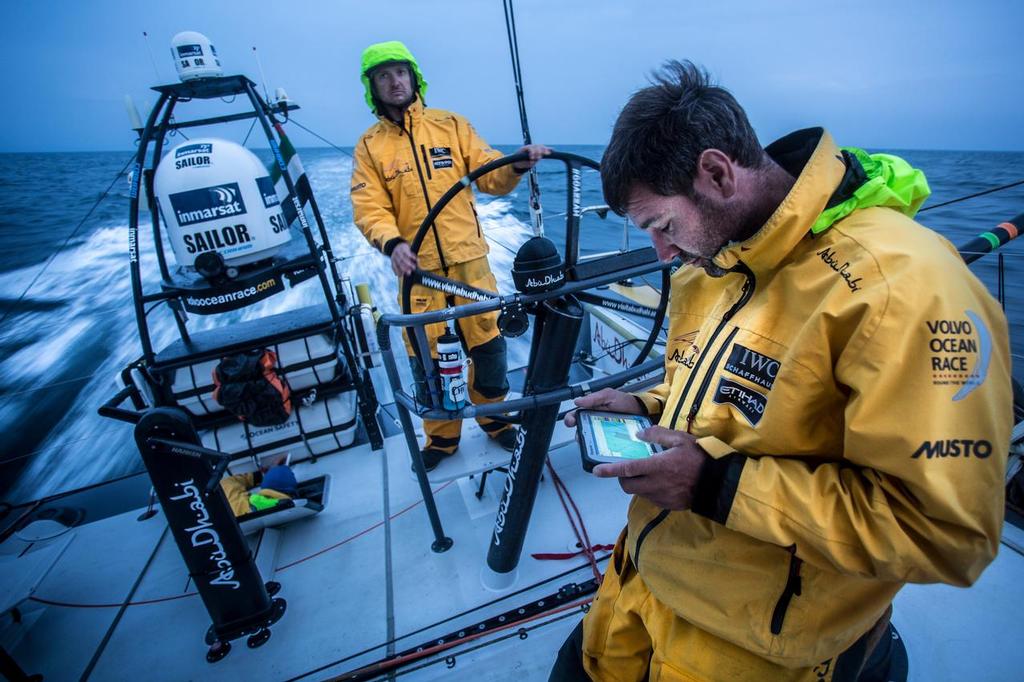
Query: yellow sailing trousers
[[481, 341], [630, 636]]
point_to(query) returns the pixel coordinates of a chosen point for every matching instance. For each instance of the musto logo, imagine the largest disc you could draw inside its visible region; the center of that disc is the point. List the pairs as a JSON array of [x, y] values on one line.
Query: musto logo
[[208, 203], [956, 447], [959, 352]]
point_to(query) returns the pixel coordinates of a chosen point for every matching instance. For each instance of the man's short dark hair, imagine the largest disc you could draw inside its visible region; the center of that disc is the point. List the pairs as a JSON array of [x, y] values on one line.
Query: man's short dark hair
[[663, 129]]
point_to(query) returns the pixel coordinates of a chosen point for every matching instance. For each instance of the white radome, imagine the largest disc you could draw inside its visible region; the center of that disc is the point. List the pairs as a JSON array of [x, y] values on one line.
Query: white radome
[[215, 195], [195, 56]]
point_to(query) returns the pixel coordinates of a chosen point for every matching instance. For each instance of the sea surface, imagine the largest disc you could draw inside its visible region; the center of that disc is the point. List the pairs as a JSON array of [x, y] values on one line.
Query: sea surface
[[68, 325]]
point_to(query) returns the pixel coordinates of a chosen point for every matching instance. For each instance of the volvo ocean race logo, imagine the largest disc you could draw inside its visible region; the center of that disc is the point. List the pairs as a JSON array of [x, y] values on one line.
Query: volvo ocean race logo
[[959, 352], [208, 203]]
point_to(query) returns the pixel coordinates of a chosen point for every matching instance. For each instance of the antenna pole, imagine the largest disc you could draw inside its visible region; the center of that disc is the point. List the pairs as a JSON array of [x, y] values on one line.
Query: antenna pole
[[149, 49], [263, 77]]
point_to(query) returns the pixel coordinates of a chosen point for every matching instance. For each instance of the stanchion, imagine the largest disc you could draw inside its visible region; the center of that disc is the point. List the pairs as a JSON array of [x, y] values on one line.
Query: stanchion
[[555, 331]]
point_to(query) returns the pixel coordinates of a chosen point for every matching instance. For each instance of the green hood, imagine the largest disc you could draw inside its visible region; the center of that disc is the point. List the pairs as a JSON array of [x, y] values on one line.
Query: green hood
[[390, 51], [892, 182]]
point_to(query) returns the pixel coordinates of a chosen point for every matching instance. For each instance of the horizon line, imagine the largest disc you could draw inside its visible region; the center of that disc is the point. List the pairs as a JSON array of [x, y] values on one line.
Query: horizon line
[[509, 144]]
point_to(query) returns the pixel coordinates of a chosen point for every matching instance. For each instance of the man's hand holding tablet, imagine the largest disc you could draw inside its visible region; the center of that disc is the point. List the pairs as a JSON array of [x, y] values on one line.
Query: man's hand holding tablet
[[659, 464]]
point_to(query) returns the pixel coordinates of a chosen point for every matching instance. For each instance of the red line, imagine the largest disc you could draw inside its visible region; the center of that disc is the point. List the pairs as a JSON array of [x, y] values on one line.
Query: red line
[[53, 602], [360, 533], [390, 663]]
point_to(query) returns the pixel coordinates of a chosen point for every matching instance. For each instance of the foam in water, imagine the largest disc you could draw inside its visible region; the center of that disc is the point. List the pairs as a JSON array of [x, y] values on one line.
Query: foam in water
[[93, 332]]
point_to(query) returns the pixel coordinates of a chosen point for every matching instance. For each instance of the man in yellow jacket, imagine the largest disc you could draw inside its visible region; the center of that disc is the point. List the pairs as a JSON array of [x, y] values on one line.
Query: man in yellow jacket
[[836, 408], [404, 163]]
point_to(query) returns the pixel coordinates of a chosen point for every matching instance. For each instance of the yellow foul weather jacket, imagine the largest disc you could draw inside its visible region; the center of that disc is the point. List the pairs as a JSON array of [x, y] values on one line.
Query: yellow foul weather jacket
[[401, 170], [853, 389]]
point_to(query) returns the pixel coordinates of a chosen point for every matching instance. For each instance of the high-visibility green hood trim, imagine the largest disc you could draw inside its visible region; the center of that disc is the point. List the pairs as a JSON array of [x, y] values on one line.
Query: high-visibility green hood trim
[[891, 182], [381, 53]]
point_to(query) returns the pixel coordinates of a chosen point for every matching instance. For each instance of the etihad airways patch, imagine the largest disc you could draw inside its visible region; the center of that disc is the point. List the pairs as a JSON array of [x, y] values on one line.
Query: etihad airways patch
[[749, 402], [959, 352]]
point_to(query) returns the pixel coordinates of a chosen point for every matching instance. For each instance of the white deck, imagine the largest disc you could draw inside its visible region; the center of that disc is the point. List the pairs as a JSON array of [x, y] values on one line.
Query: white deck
[[338, 601]]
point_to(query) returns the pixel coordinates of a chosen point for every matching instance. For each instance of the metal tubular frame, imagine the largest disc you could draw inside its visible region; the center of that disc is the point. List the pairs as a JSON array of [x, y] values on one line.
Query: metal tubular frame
[[155, 133], [539, 405]]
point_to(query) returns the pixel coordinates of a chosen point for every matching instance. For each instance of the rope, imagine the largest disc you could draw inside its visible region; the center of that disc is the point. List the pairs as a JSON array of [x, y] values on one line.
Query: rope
[[74, 232], [322, 139], [972, 196], [582, 536], [360, 533]]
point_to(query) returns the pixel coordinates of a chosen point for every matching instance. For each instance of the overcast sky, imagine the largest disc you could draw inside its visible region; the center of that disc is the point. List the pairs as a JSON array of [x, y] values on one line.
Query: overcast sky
[[928, 74]]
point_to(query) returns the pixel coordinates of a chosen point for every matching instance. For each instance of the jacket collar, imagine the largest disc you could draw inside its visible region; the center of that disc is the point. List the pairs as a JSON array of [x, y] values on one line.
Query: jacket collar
[[818, 165], [413, 114]]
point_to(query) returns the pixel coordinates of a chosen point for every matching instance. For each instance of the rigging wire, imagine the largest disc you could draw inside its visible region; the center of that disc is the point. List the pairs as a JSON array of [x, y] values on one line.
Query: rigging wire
[[972, 196], [145, 39], [74, 232], [319, 137], [536, 210], [251, 126]]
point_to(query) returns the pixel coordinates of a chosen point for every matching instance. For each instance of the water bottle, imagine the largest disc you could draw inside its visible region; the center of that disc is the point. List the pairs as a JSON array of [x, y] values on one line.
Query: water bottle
[[368, 341], [451, 367]]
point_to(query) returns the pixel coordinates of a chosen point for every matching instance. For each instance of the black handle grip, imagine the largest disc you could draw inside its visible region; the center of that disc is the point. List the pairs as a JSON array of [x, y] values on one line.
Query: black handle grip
[[111, 410]]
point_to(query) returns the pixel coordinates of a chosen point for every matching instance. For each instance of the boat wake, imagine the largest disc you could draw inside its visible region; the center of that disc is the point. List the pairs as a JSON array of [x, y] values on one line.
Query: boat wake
[[65, 342]]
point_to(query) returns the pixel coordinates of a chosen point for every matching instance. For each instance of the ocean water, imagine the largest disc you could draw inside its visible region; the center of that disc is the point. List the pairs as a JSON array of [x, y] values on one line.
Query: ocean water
[[68, 325]]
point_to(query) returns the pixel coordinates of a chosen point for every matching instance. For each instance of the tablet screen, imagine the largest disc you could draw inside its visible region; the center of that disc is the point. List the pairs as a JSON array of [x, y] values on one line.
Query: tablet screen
[[616, 436]]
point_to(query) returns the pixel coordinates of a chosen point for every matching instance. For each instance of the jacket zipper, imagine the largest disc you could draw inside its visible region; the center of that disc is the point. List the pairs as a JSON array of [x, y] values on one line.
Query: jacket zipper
[[426, 196], [745, 294], [426, 164], [479, 233], [643, 534], [793, 587], [695, 406]]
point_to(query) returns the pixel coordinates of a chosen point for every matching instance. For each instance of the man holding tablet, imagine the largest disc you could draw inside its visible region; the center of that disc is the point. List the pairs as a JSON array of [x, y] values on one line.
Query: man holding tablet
[[820, 449]]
